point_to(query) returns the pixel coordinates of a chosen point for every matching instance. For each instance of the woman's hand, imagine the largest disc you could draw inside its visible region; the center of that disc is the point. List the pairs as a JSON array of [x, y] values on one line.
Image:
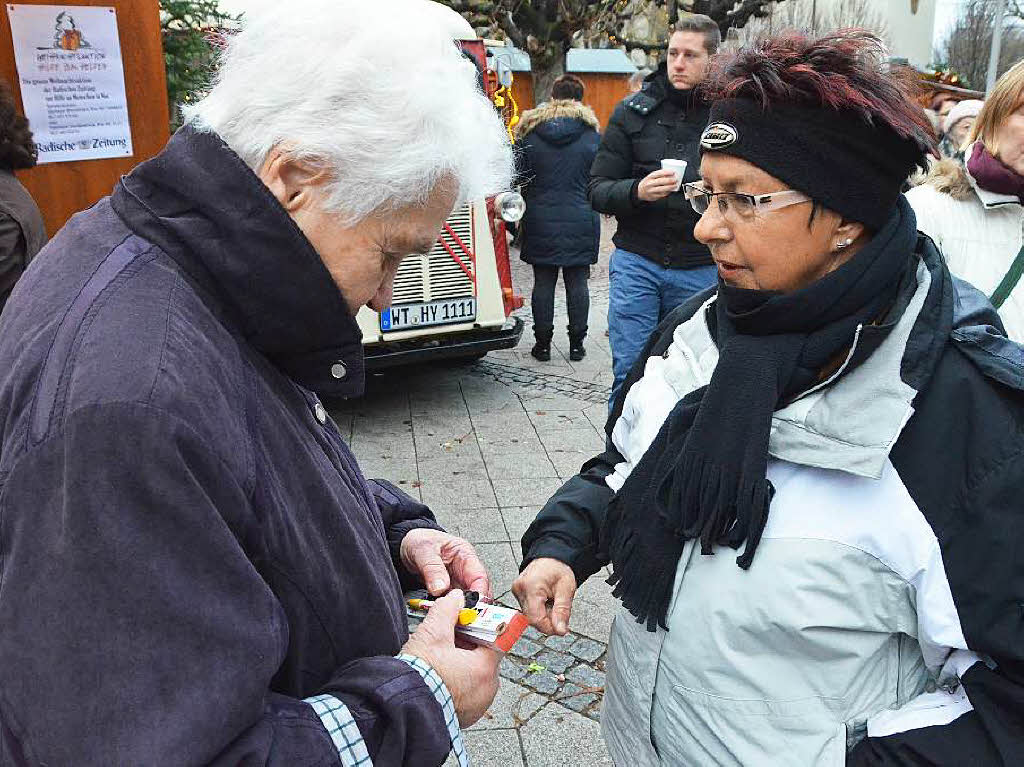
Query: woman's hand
[[545, 590], [657, 185]]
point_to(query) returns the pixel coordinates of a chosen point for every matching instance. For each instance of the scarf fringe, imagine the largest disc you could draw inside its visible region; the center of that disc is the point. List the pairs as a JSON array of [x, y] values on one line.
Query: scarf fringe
[[715, 509]]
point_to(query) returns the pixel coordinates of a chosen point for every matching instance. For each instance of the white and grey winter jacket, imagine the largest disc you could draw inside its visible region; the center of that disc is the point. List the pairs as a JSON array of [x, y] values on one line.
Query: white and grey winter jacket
[[882, 620]]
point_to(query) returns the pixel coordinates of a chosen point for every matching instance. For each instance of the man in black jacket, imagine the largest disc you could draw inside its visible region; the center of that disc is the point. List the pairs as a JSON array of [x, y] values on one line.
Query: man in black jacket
[[657, 263]]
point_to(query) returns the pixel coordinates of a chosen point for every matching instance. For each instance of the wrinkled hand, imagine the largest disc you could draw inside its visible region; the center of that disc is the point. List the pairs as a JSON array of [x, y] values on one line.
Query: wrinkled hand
[[545, 590], [657, 185], [444, 562], [471, 675]]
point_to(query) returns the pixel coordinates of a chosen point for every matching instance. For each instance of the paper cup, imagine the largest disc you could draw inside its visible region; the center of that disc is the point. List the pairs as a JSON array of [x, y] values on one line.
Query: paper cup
[[676, 166]]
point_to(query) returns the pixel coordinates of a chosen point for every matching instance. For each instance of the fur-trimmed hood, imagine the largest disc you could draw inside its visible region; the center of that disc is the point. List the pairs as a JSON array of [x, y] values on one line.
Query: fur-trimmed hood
[[950, 177], [566, 111]]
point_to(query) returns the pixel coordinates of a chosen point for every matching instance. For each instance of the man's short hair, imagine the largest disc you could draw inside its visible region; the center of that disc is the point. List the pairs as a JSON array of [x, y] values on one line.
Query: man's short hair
[[698, 22], [568, 87]]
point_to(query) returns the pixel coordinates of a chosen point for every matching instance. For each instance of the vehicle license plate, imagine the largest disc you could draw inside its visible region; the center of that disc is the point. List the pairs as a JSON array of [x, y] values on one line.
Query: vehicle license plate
[[408, 316]]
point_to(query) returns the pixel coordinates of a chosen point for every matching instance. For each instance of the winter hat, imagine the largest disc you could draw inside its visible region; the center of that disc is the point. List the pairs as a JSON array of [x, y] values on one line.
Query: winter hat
[[966, 108], [854, 167]]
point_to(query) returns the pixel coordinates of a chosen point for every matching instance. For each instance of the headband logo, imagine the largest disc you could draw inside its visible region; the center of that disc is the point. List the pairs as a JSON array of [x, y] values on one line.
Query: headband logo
[[719, 136]]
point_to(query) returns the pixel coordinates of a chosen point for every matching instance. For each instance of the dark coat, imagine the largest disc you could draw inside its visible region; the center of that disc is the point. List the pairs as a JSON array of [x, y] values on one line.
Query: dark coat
[[646, 128], [22, 232], [188, 548], [557, 145]]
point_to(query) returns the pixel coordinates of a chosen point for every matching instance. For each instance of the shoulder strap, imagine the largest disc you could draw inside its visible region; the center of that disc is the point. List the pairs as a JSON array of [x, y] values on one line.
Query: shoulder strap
[[1010, 280]]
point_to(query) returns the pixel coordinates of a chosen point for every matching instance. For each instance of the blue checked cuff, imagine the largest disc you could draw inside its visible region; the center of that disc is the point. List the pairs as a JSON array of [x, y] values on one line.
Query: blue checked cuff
[[444, 699], [343, 730]]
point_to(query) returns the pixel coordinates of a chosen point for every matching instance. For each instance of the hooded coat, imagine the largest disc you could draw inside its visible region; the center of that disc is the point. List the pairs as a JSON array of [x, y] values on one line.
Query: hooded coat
[[188, 549], [557, 144]]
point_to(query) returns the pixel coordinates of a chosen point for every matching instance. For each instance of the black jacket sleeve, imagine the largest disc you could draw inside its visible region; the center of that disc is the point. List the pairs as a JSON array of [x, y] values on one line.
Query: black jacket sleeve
[[612, 187], [136, 628]]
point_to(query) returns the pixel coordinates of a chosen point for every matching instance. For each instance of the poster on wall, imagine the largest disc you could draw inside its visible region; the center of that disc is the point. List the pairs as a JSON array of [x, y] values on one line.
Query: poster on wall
[[72, 80]]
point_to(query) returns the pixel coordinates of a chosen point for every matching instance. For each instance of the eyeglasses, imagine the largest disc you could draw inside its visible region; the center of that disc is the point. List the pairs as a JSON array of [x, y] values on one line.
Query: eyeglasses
[[740, 205]]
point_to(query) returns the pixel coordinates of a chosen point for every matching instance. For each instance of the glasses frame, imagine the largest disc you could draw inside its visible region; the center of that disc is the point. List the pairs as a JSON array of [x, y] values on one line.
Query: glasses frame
[[759, 203]]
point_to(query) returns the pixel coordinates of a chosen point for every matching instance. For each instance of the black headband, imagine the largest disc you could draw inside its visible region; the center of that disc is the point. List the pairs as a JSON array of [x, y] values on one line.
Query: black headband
[[847, 164]]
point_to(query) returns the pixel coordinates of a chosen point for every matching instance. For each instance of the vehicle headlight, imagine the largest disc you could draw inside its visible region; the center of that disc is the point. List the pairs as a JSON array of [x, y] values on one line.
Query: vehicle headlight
[[510, 205]]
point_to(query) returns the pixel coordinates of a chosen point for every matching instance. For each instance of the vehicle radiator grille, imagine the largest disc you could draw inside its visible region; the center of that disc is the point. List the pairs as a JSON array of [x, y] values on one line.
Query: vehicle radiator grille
[[436, 275]]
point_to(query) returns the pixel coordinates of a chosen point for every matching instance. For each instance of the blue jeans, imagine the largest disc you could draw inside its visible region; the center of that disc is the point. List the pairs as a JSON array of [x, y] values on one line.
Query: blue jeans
[[641, 294]]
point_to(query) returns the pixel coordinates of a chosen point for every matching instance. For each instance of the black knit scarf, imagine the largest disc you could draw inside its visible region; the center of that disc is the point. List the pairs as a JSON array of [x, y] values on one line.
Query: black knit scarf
[[704, 476]]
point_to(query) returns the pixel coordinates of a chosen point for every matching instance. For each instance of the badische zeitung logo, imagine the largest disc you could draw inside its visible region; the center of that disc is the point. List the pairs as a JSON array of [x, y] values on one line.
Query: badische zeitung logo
[[719, 136]]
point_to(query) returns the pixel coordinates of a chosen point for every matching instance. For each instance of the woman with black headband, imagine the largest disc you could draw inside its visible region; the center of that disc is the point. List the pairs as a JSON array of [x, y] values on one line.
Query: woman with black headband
[[811, 493]]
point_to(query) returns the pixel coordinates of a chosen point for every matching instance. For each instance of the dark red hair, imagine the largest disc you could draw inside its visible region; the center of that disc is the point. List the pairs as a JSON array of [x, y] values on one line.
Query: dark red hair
[[847, 70]]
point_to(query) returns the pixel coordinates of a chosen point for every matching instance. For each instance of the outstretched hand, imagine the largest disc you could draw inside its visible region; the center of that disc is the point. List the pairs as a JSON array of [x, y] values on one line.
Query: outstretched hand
[[545, 590]]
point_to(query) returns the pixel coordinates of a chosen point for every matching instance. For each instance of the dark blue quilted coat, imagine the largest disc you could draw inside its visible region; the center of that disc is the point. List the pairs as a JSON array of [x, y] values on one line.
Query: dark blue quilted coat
[[558, 142]]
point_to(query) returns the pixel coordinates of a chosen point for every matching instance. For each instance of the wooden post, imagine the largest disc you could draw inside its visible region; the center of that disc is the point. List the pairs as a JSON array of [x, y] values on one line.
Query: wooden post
[[61, 189]]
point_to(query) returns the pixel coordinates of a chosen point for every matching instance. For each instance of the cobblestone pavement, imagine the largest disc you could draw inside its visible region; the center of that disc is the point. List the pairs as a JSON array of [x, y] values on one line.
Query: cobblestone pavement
[[485, 445]]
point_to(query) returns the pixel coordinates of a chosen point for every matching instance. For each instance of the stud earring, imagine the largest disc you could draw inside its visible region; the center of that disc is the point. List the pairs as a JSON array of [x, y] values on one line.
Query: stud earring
[[844, 244]]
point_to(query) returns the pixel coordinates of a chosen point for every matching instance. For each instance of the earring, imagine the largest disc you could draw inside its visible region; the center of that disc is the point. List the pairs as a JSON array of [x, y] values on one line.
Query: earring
[[844, 244]]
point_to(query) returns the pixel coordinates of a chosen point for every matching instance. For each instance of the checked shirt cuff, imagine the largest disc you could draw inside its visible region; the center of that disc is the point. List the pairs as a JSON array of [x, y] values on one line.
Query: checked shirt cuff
[[444, 699], [343, 730]]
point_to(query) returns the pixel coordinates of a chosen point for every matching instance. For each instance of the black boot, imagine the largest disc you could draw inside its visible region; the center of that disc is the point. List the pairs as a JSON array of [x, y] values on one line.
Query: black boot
[[576, 350], [541, 350]]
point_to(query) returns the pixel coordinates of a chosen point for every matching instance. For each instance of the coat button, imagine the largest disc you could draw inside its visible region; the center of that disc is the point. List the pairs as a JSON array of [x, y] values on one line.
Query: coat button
[[320, 413], [338, 370]]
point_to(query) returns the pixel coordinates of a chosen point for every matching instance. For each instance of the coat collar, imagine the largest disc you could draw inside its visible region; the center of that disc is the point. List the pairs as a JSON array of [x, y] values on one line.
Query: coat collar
[[851, 421], [200, 203]]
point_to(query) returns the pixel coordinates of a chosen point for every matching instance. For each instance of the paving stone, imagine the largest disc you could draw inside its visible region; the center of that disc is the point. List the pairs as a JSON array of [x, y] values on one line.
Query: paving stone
[[490, 748], [512, 706], [520, 465], [585, 676], [532, 633], [568, 462], [555, 662], [542, 681], [525, 648], [588, 650], [377, 447], [556, 737], [560, 643], [501, 565], [524, 492], [558, 420], [510, 445], [517, 519], [509, 669], [580, 440], [458, 493], [475, 525], [591, 620], [575, 698]]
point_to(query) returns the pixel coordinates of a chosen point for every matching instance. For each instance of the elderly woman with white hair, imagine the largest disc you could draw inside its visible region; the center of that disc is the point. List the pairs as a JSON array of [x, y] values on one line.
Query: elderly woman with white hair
[[194, 570]]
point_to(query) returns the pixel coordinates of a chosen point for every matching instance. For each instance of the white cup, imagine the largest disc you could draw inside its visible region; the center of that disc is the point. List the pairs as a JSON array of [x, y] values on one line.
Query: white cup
[[676, 166]]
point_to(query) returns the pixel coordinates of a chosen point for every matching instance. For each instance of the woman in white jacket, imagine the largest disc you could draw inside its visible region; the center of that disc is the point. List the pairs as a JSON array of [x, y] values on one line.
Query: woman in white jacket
[[973, 211], [810, 492]]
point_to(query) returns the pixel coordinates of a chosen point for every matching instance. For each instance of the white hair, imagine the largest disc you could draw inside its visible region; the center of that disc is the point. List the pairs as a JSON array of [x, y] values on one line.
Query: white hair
[[375, 93]]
